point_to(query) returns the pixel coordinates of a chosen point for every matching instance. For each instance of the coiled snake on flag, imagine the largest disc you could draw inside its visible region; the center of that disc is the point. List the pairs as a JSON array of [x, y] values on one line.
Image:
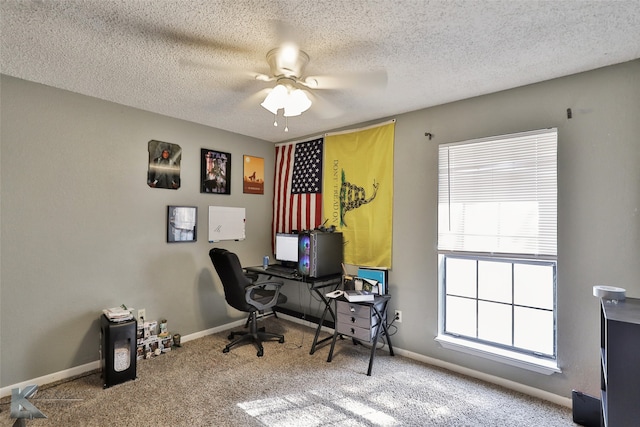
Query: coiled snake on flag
[[353, 196]]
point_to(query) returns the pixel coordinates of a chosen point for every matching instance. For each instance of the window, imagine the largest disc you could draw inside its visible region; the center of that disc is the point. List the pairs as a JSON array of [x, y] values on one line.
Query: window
[[497, 245]]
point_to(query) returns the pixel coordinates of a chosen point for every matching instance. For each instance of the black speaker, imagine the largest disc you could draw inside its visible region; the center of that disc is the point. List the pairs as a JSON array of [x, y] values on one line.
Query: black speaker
[[118, 351], [586, 409]]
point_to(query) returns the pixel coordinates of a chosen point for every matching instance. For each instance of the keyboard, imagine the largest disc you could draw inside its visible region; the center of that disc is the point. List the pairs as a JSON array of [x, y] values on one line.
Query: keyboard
[[282, 270]]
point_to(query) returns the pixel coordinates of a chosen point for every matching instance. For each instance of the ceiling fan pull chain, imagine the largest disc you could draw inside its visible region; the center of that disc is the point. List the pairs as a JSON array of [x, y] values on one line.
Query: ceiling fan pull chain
[[286, 124], [275, 120]]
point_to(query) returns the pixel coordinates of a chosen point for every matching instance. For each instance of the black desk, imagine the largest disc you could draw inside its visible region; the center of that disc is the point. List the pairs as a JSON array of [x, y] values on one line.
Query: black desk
[[362, 321], [319, 285]]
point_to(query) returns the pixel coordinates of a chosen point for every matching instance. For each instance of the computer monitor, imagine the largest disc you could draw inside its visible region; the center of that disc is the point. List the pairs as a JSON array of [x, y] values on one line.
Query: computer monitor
[[286, 250]]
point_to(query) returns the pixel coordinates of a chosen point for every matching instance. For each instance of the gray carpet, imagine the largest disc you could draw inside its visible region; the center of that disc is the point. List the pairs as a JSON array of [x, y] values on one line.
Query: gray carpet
[[198, 385]]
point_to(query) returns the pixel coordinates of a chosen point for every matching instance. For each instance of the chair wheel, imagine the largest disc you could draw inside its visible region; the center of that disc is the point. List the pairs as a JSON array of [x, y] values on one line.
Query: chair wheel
[[231, 336], [225, 350], [281, 340], [260, 353]]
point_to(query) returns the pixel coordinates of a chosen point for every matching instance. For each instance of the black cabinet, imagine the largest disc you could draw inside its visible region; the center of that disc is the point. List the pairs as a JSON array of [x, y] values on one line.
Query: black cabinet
[[118, 351], [620, 362]]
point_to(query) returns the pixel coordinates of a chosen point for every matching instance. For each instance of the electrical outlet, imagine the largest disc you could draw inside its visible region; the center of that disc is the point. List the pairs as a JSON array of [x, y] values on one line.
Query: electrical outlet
[[142, 314], [398, 316]]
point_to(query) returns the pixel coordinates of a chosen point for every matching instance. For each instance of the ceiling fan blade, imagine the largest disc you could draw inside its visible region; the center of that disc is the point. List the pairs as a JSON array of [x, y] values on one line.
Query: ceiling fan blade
[[209, 65], [254, 100], [263, 77], [198, 41], [356, 81], [234, 78], [322, 107], [146, 27]]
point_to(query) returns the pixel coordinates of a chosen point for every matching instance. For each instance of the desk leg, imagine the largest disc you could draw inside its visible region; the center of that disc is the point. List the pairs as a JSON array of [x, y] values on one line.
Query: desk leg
[[382, 320], [327, 308], [333, 344], [375, 338], [386, 334]]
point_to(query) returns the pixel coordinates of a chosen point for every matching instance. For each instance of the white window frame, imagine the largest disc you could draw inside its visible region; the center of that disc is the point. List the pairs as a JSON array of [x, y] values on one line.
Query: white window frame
[[535, 245]]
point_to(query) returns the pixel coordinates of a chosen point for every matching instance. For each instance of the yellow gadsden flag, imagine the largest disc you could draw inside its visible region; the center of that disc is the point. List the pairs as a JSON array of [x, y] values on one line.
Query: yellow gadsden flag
[[357, 195]]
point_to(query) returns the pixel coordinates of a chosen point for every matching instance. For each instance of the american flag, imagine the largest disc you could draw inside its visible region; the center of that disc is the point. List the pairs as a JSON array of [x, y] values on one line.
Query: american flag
[[297, 199]]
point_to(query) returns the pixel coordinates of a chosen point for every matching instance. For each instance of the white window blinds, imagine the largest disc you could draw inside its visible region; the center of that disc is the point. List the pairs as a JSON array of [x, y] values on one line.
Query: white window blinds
[[499, 195]]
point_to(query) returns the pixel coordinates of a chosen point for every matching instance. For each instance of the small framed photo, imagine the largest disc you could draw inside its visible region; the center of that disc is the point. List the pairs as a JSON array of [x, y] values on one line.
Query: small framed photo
[[215, 172], [181, 224], [253, 181]]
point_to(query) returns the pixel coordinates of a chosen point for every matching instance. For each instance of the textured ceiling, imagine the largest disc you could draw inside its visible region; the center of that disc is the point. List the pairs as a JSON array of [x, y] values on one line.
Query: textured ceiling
[[196, 60]]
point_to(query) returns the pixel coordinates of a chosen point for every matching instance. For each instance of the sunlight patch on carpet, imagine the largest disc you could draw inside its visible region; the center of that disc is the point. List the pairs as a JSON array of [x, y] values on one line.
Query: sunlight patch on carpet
[[316, 408]]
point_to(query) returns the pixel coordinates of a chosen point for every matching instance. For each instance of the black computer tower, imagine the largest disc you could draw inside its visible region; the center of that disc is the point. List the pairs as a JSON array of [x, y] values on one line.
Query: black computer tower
[[320, 253], [118, 351]]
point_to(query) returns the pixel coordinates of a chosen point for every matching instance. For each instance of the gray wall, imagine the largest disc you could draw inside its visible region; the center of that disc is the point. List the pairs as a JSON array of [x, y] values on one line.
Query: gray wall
[[598, 209], [81, 230]]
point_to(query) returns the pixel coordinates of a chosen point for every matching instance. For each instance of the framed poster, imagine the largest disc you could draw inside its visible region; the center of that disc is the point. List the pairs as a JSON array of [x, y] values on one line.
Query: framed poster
[[253, 181], [181, 224], [164, 165], [215, 172]]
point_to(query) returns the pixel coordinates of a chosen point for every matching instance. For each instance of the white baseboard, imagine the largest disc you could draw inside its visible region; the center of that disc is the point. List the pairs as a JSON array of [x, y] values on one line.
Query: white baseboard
[[196, 335], [512, 385], [51, 378], [303, 322], [92, 366]]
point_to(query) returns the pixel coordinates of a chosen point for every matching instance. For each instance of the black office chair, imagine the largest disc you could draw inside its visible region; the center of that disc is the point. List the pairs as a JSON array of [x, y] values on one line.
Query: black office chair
[[244, 295]]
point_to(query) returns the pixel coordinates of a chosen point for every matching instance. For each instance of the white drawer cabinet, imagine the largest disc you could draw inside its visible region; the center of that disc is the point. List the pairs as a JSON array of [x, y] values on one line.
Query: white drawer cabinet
[[362, 321], [356, 320]]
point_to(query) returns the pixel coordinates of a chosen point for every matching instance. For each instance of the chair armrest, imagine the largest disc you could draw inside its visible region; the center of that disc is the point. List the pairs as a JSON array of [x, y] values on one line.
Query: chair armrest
[[250, 275], [276, 285], [262, 283]]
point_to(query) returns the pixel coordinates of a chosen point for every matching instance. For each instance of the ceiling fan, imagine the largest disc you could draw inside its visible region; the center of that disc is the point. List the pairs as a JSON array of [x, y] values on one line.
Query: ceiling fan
[[293, 88], [294, 91], [287, 64]]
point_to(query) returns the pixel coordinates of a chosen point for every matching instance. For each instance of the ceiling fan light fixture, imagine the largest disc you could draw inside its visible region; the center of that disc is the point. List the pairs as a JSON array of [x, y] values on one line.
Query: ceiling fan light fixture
[[293, 101], [276, 99], [297, 103], [287, 64]]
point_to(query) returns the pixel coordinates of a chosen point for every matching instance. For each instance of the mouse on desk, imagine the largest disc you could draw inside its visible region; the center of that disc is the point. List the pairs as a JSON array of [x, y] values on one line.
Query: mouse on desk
[[334, 294]]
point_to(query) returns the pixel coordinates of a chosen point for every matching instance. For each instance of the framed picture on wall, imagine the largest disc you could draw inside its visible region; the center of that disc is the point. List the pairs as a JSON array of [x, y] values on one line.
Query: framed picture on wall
[[215, 172], [181, 224], [253, 176], [164, 165]]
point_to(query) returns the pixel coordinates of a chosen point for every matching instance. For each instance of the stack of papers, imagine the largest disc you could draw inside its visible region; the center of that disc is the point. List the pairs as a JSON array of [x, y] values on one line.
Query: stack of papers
[[117, 314], [358, 296]]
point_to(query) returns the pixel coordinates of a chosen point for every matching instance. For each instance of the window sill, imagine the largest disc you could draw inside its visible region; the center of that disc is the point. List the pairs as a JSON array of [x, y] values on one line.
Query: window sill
[[531, 363]]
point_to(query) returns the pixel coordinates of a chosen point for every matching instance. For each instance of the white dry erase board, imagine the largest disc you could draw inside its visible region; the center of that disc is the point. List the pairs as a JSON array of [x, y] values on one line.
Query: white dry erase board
[[226, 223]]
